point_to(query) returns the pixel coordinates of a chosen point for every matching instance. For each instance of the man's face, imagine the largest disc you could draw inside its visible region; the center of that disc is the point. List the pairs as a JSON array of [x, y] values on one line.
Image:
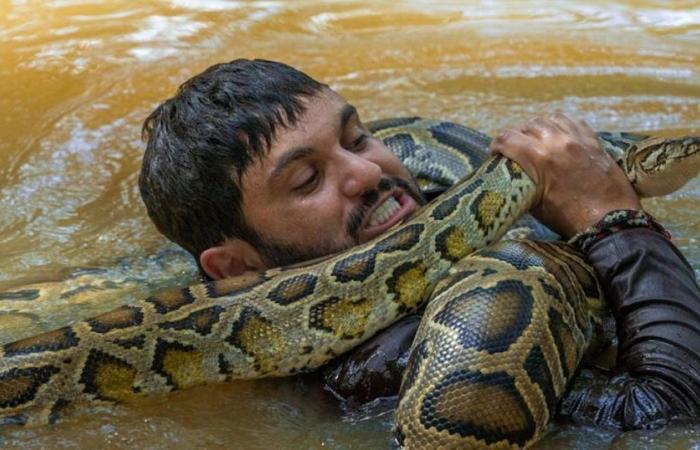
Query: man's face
[[326, 185]]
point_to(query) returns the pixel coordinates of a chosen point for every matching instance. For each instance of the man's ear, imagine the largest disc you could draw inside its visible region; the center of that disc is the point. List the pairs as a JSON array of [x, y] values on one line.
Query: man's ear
[[232, 258]]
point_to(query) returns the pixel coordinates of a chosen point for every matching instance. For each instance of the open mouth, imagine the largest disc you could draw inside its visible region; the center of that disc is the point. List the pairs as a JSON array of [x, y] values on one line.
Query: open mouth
[[384, 212], [391, 211]]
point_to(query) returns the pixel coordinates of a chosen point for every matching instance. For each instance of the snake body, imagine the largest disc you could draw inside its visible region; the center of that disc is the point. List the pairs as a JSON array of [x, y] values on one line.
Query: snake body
[[293, 319], [501, 337]]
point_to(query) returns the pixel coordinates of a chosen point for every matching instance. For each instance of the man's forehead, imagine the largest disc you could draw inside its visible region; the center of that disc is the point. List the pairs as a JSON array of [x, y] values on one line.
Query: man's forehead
[[323, 102], [324, 112]]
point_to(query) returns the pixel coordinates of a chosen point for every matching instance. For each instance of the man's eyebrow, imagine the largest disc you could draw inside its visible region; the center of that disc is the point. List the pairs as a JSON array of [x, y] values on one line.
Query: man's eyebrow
[[288, 158], [298, 153]]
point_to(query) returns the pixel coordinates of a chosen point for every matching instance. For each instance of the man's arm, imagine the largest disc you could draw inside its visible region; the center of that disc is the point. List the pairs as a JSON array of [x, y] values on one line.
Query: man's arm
[[656, 303], [577, 182], [650, 286], [651, 289]]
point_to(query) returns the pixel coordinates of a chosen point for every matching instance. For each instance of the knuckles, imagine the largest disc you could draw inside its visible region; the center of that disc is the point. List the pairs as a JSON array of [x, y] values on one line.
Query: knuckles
[[570, 145]]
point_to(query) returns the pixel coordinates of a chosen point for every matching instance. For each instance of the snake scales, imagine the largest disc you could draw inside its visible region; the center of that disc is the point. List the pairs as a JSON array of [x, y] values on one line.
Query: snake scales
[[502, 335]]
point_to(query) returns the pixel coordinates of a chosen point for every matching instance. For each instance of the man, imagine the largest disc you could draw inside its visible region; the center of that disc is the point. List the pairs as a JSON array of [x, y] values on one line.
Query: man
[[254, 165]]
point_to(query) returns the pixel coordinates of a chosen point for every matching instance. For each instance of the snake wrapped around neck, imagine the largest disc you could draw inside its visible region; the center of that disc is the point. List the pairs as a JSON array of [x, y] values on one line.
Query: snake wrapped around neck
[[492, 357]]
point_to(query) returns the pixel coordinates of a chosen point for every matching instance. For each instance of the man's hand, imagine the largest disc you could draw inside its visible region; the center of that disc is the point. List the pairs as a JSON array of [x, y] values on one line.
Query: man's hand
[[577, 182]]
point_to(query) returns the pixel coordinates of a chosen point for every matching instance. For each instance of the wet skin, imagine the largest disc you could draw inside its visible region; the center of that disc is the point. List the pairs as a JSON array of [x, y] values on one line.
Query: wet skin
[[322, 180]]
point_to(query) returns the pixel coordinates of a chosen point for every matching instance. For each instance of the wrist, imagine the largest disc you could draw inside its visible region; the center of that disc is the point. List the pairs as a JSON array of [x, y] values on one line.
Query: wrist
[[591, 214], [613, 221]]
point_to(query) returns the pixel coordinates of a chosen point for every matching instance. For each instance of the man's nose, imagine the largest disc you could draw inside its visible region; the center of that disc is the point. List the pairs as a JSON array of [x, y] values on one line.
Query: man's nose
[[359, 174]]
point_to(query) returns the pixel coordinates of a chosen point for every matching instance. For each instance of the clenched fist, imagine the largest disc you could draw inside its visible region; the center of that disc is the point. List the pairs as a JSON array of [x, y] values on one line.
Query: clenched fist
[[577, 182]]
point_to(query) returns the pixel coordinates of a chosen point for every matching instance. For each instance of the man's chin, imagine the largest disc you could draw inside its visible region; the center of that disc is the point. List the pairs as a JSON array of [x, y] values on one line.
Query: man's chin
[[277, 254]]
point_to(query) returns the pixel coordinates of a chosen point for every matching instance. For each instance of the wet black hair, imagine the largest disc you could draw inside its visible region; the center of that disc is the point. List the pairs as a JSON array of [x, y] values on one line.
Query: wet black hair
[[200, 142]]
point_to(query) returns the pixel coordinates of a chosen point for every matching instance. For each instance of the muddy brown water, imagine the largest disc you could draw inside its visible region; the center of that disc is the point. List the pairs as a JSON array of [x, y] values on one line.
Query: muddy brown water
[[77, 78]]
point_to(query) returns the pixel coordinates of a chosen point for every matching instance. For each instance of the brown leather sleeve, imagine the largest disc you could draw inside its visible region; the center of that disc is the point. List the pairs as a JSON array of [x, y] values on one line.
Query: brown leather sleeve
[[655, 300], [375, 368], [656, 303]]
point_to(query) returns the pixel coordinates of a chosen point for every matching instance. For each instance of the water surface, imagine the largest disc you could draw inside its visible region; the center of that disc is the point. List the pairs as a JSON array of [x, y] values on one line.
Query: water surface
[[77, 78]]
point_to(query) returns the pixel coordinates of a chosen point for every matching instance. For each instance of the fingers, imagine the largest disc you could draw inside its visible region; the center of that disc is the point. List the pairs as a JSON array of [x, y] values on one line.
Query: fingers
[[574, 126], [518, 146], [540, 127], [559, 124], [540, 141], [582, 134], [549, 149], [576, 179]]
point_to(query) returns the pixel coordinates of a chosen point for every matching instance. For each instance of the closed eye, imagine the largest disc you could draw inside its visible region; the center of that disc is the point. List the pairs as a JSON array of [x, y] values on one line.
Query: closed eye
[[359, 143], [309, 182]]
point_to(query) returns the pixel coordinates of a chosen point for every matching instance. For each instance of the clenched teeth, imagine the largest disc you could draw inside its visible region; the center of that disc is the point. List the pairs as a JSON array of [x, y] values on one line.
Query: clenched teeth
[[384, 212]]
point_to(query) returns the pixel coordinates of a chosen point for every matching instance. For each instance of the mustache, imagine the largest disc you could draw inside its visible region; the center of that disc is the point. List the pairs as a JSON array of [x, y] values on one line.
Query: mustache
[[368, 200]]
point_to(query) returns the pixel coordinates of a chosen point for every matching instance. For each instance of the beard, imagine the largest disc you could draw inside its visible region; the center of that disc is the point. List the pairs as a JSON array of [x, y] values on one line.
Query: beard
[[276, 253]]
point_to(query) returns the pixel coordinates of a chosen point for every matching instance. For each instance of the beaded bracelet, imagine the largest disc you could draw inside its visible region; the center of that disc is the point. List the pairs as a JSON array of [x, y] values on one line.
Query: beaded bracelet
[[619, 219]]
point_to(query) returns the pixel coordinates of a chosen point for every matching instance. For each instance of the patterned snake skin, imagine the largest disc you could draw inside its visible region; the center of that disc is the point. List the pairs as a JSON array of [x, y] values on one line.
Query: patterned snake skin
[[504, 330]]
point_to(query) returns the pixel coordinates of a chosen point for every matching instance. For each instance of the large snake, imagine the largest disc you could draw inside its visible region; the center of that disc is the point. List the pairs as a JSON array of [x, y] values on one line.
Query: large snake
[[505, 327]]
